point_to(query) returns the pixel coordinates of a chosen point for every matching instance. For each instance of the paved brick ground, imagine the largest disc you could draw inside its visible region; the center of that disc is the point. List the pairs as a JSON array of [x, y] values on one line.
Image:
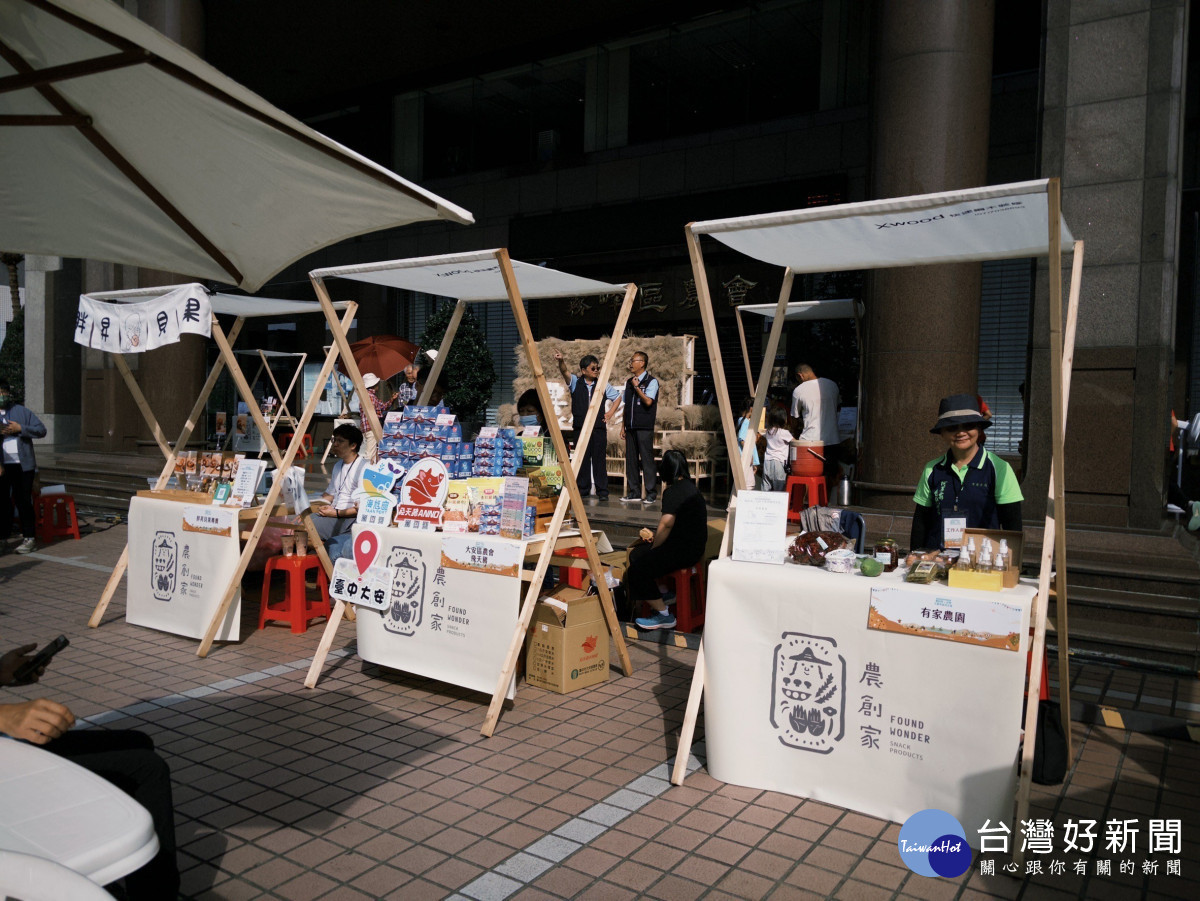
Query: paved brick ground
[[378, 785]]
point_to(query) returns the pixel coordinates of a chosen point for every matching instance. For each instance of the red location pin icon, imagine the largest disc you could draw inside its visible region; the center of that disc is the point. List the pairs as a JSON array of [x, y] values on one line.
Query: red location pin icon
[[366, 546]]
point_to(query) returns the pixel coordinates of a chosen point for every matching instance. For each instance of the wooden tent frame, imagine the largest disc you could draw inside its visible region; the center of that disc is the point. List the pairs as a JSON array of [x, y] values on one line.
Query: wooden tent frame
[[284, 412], [570, 498], [1054, 550], [225, 359]]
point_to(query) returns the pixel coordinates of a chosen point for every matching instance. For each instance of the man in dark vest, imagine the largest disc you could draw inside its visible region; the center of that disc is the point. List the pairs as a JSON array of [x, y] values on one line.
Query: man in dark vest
[[637, 428], [592, 466]]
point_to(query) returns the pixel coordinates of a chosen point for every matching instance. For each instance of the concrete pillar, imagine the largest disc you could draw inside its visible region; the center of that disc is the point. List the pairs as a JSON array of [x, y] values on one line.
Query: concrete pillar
[[930, 111], [51, 358]]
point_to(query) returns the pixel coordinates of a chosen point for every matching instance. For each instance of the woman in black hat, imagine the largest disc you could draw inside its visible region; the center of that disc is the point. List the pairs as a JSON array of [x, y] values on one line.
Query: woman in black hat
[[968, 487]]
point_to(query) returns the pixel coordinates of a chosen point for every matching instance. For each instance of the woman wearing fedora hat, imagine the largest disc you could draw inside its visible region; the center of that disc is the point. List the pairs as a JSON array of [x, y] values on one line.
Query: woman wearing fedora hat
[[968, 487]]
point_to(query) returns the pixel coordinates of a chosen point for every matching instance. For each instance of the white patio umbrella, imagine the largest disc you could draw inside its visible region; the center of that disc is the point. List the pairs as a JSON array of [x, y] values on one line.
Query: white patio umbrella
[[117, 144]]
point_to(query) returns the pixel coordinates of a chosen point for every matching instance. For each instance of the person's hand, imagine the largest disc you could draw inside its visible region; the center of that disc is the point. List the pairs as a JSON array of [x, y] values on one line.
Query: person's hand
[[646, 535], [326, 510], [558, 356], [13, 428], [35, 721], [14, 660], [622, 432]]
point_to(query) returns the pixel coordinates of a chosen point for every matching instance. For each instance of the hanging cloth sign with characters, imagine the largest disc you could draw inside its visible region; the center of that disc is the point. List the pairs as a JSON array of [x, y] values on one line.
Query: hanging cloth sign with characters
[[131, 328]]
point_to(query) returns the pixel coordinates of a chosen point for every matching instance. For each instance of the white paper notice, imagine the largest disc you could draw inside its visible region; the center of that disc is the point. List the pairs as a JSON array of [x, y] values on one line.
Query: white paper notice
[[760, 527]]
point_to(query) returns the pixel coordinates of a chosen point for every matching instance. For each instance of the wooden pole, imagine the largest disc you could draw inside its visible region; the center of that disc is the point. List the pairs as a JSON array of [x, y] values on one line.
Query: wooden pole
[[114, 580], [570, 486], [342, 343], [737, 315], [142, 404], [714, 354], [764, 379], [447, 339], [285, 464], [692, 712]]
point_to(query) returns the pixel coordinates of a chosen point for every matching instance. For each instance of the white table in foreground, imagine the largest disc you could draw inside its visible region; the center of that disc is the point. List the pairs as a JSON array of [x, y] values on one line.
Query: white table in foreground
[[52, 808], [903, 722]]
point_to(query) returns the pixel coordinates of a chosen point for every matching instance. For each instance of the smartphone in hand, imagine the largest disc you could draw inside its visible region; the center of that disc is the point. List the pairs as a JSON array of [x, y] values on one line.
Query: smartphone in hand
[[26, 670]]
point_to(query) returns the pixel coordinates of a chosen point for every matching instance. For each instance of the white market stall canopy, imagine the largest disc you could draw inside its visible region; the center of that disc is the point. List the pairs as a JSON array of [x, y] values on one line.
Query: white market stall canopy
[[993, 223], [806, 310], [117, 144], [471, 277]]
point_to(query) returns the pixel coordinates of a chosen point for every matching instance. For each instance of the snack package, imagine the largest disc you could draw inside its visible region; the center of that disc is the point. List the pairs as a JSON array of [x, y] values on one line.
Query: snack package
[[458, 506]]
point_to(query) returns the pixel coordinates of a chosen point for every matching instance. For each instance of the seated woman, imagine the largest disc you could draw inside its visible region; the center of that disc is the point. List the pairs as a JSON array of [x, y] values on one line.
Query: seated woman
[[529, 410], [677, 543], [968, 487]]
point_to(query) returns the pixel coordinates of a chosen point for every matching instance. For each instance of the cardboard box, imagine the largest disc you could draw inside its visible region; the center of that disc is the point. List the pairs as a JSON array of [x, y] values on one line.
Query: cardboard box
[[991, 581], [567, 645]]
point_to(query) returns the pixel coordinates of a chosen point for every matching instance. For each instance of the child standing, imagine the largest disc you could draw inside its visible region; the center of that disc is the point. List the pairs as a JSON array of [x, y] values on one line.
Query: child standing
[[775, 461]]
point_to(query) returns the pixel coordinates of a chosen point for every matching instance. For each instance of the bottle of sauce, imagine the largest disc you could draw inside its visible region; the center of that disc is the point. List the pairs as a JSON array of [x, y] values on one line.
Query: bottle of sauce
[[887, 553]]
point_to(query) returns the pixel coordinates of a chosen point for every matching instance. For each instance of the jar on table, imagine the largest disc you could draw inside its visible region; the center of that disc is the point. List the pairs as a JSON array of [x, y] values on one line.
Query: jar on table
[[887, 553]]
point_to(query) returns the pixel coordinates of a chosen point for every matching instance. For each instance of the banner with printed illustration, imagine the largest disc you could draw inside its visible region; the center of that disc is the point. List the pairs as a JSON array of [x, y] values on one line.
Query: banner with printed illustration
[[448, 623], [180, 561], [132, 328]]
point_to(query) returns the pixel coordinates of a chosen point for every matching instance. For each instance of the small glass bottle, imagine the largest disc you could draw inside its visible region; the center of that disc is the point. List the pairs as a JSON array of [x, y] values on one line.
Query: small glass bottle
[[1002, 563], [972, 555], [985, 559], [887, 553]]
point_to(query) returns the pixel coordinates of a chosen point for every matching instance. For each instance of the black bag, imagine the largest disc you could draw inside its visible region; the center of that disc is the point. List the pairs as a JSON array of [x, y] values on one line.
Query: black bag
[[1050, 750]]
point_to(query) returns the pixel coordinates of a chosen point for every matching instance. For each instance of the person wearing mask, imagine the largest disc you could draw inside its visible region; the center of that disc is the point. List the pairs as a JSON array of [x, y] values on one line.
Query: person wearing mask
[[124, 757], [593, 466], [334, 514], [18, 468], [968, 487], [529, 411], [637, 428], [677, 543]]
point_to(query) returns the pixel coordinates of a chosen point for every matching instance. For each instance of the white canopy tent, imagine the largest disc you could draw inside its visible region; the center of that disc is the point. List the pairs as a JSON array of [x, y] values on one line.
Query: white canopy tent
[[242, 308], [117, 144], [1022, 219], [490, 275]]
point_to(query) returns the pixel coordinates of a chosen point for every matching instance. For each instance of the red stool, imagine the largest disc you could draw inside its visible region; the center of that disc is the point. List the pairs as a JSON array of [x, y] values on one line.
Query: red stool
[[805, 491], [690, 593], [55, 517], [576, 578], [305, 449], [295, 608]]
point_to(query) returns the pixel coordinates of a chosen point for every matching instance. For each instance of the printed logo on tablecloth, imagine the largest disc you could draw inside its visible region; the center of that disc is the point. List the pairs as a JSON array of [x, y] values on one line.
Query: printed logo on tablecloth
[[808, 692], [933, 843], [164, 565], [403, 616]]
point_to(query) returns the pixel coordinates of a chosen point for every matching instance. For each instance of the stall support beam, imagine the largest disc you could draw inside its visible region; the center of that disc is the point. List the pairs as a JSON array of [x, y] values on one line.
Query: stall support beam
[[142, 404], [737, 315], [185, 435], [570, 485], [342, 343], [435, 373], [764, 379], [260, 522]]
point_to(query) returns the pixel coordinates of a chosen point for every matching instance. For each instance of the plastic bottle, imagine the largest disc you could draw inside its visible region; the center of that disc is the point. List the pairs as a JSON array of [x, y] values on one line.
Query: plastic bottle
[[972, 556], [1003, 563], [985, 559]]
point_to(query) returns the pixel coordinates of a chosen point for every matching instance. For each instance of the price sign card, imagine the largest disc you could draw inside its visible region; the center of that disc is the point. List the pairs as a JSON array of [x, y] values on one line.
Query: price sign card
[[760, 527]]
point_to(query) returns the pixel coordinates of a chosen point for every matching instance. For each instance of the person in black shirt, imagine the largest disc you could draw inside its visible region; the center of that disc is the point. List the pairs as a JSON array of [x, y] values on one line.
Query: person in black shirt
[[677, 543]]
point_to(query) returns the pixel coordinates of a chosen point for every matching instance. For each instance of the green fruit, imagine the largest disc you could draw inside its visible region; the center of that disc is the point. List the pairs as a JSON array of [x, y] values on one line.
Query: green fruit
[[871, 567]]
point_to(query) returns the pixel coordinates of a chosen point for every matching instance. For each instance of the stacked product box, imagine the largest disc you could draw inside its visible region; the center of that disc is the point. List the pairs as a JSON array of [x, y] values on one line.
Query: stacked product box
[[497, 452], [416, 434]]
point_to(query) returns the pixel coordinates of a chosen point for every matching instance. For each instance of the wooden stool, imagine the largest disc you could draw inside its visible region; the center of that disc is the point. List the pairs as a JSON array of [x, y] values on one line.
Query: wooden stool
[[55, 517], [690, 593], [295, 608], [815, 494]]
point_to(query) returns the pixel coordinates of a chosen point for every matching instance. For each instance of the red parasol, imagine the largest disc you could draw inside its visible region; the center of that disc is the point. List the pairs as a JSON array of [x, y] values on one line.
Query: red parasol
[[384, 355]]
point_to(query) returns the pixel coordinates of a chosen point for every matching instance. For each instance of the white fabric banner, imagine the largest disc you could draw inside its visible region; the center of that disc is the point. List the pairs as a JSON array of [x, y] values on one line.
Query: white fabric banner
[[801, 697], [136, 327], [178, 574], [444, 622]]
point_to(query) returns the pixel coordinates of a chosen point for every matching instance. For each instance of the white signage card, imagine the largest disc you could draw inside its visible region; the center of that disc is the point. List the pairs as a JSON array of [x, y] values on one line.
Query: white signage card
[[760, 527], [445, 620], [950, 615], [444, 419], [370, 589], [180, 564], [376, 510], [489, 431], [245, 485]]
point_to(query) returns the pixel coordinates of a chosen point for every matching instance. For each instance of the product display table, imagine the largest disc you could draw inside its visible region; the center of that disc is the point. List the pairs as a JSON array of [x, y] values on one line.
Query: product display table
[[801, 697], [456, 600], [51, 808]]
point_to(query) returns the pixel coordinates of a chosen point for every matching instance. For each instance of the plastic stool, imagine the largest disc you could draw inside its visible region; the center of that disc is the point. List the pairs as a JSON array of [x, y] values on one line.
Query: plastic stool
[[815, 494], [295, 608], [570, 575], [305, 449], [55, 517], [690, 594]]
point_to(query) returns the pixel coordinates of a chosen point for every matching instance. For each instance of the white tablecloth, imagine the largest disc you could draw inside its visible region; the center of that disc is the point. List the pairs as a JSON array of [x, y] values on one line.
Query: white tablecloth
[[51, 808], [903, 722], [177, 577]]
